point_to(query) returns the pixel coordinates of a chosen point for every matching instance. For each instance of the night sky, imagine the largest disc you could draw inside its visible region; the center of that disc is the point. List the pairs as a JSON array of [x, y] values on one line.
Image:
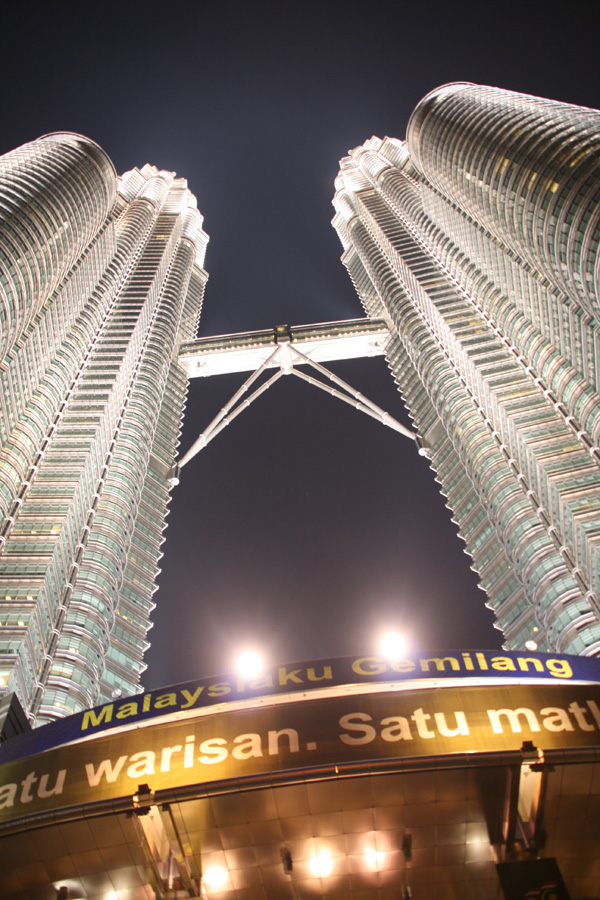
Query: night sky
[[306, 527]]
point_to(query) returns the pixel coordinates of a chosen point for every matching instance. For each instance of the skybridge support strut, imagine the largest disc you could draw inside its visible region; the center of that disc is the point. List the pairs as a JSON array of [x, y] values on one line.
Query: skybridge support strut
[[223, 418], [287, 356]]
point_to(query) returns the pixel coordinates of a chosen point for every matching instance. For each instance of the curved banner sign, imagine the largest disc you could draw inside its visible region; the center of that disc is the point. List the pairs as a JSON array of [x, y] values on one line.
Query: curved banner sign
[[328, 732], [301, 677]]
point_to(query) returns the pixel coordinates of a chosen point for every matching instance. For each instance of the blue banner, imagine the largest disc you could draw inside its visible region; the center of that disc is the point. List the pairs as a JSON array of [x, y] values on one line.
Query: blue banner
[[484, 665]]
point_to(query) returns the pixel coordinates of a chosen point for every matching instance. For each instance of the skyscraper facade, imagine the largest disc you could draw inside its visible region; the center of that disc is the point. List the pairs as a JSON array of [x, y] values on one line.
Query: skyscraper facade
[[101, 278], [477, 240]]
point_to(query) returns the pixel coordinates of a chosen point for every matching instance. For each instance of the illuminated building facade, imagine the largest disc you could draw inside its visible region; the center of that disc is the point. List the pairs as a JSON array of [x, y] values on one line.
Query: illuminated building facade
[[476, 239], [101, 278]]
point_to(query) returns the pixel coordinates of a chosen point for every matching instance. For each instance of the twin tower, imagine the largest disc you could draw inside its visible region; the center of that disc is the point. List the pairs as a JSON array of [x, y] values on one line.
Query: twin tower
[[475, 240]]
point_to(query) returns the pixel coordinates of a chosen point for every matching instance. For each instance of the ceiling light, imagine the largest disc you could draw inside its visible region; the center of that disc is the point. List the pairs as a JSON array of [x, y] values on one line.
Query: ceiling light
[[374, 859], [215, 877], [321, 865]]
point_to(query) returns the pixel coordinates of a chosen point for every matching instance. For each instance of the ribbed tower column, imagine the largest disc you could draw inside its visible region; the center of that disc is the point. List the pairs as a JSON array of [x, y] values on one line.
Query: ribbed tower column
[[494, 350], [55, 195], [525, 168], [91, 399]]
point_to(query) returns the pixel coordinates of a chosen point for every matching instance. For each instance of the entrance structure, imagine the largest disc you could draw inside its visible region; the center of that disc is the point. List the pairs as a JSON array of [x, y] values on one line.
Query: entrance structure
[[363, 779]]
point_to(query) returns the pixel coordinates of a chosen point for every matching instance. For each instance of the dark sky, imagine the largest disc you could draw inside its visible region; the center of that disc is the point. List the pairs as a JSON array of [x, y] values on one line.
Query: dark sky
[[306, 527]]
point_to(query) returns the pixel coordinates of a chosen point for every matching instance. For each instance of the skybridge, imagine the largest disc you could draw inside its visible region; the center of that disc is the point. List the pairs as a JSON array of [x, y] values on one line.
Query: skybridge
[[247, 351]]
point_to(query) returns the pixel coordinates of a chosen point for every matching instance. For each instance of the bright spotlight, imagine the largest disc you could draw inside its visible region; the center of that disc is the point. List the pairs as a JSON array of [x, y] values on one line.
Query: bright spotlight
[[215, 877], [531, 645], [249, 664], [392, 645], [321, 865]]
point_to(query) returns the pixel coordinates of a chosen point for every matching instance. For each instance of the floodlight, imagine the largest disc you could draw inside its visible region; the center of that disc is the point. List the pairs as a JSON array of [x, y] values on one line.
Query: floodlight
[[249, 663], [392, 645]]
